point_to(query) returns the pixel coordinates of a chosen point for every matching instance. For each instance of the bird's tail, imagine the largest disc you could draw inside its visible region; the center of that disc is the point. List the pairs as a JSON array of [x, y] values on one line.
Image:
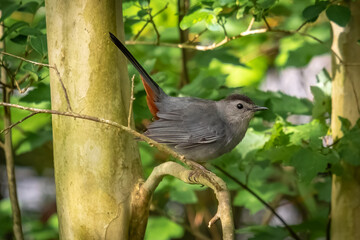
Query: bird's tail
[[153, 91]]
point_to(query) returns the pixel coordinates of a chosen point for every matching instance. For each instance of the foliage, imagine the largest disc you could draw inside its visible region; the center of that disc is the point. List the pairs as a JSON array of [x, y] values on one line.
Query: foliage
[[277, 159]]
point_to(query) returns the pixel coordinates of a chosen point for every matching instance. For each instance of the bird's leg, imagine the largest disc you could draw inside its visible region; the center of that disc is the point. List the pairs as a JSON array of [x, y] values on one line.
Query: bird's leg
[[197, 170], [194, 165]]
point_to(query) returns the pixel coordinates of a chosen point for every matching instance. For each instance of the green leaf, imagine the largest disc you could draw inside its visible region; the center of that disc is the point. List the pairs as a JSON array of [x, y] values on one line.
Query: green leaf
[[161, 228], [324, 190], [224, 55], [240, 13], [38, 94], [253, 140], [265, 232], [30, 7], [339, 14], [201, 15], [287, 105], [348, 146], [8, 10], [19, 39], [142, 13], [205, 84], [311, 13], [267, 192], [322, 103], [278, 136], [265, 3], [5, 217], [301, 56], [324, 81], [227, 2], [13, 28], [183, 193], [308, 134], [30, 31], [345, 124], [34, 140], [281, 154], [39, 44], [308, 164]]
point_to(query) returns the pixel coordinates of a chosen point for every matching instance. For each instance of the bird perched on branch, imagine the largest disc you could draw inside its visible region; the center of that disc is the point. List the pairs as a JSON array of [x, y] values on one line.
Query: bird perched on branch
[[197, 128]]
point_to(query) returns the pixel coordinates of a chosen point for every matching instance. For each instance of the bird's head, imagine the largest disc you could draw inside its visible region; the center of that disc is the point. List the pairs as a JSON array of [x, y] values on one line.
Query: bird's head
[[238, 109]]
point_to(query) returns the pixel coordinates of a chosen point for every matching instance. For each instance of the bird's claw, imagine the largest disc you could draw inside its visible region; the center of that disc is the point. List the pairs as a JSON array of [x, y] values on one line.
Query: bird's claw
[[197, 172]]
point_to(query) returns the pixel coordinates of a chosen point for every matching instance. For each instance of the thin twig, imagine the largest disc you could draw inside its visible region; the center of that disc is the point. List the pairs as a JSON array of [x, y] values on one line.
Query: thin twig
[[251, 24], [222, 24], [151, 142], [196, 37], [199, 47], [5, 130], [44, 65], [131, 101], [141, 30], [161, 10], [309, 36], [17, 83], [63, 86], [26, 60], [150, 20], [291, 231], [228, 39], [266, 23], [301, 26]]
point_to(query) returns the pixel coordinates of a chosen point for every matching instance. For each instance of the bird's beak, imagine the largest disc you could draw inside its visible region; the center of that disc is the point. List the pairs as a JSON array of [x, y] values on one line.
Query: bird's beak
[[258, 108]]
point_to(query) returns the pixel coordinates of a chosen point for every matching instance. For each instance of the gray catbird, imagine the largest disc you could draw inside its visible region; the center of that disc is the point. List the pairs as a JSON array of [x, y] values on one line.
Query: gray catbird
[[199, 129]]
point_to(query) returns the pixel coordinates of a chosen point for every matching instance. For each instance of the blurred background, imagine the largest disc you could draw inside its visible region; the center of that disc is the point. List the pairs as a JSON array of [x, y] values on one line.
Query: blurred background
[[282, 158]]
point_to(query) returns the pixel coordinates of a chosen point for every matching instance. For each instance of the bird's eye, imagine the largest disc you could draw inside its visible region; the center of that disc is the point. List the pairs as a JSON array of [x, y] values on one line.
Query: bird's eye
[[240, 106]]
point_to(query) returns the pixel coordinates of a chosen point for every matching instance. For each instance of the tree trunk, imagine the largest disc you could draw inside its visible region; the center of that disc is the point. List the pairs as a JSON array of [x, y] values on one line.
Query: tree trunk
[[96, 166], [345, 202]]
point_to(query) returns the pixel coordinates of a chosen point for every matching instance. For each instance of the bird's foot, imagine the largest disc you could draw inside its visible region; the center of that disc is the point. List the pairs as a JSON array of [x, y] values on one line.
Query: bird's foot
[[197, 171]]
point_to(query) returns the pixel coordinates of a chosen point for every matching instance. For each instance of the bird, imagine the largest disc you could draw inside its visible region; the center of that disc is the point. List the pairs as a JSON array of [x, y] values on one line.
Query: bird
[[199, 129]]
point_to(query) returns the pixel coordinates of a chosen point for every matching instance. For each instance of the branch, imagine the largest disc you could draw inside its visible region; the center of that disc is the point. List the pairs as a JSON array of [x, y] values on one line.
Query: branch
[[151, 142], [150, 20], [229, 39], [206, 178], [9, 156], [144, 192], [44, 65], [291, 231], [199, 47], [131, 101], [6, 129]]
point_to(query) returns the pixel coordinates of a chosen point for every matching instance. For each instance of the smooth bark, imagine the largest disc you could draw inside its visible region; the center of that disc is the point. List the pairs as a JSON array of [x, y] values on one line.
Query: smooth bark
[[345, 199], [96, 166]]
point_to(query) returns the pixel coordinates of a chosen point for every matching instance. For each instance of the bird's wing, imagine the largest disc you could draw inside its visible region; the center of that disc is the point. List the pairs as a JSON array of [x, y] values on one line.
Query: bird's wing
[[184, 127]]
